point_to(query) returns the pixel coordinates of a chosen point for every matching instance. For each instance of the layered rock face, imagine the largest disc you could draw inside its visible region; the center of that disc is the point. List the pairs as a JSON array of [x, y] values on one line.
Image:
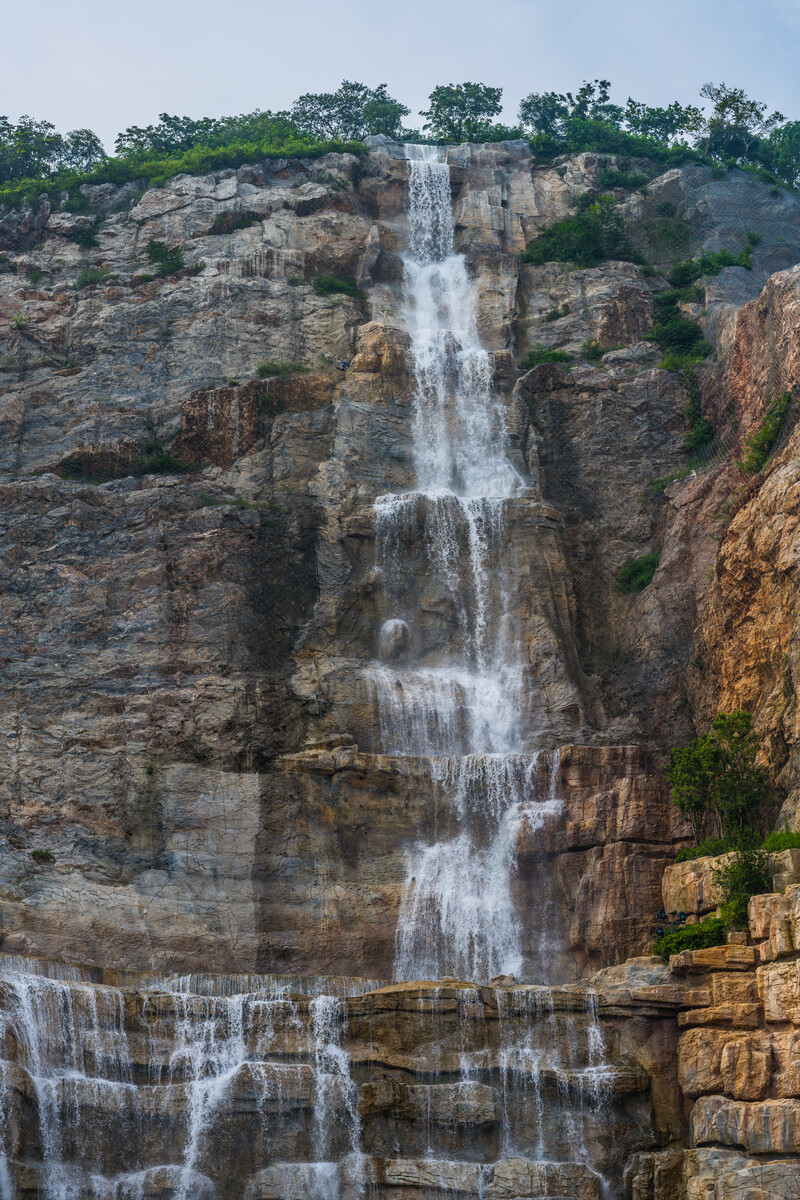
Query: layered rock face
[[283, 695], [169, 637]]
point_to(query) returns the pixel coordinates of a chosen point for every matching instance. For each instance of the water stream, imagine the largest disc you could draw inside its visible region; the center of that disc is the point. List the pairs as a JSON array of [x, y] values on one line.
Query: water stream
[[460, 704]]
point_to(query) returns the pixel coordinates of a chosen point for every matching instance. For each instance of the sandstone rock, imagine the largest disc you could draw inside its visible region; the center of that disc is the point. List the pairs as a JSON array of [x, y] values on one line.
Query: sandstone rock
[[769, 1127], [713, 958], [690, 886]]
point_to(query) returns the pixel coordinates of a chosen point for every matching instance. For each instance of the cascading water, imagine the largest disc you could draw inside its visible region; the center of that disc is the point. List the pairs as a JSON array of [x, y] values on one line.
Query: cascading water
[[459, 705]]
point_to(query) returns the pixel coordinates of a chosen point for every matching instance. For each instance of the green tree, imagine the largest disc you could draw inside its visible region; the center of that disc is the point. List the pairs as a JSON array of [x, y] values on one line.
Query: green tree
[[352, 112], [780, 153], [747, 873], [82, 150], [736, 124], [716, 781], [462, 112], [29, 149], [662, 125]]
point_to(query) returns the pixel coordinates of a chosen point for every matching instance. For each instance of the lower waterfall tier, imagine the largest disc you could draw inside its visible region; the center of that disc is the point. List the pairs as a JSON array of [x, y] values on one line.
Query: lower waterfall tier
[[406, 1091]]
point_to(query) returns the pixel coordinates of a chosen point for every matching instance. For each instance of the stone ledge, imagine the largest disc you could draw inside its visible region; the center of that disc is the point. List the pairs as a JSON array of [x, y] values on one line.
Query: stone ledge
[[766, 1127]]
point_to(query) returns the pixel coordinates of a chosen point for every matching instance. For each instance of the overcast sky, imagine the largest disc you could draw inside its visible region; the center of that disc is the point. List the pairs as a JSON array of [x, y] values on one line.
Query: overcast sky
[[109, 65]]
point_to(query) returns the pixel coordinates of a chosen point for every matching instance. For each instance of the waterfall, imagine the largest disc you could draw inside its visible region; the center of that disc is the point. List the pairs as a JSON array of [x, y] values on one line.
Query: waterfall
[[457, 704]]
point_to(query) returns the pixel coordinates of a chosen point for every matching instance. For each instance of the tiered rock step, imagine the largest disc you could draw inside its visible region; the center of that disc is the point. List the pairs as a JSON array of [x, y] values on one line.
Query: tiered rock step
[[387, 1179], [440, 1081]]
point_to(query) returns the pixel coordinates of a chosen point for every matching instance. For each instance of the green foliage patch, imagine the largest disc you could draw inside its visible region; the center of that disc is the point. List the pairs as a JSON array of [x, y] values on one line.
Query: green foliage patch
[[229, 222], [331, 285], [540, 354], [637, 573], [746, 874], [269, 368], [710, 932], [759, 445], [710, 848], [716, 782], [783, 839], [594, 234], [89, 276]]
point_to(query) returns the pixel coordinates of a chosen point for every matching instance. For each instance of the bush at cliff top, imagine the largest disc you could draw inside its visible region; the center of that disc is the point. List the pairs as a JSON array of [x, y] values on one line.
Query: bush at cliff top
[[154, 169], [711, 932]]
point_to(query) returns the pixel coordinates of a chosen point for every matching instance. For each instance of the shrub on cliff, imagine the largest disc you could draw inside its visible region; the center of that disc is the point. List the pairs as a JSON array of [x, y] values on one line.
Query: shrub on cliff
[[269, 368], [540, 354], [595, 233], [716, 782], [637, 573], [332, 285], [711, 932], [759, 445], [747, 873]]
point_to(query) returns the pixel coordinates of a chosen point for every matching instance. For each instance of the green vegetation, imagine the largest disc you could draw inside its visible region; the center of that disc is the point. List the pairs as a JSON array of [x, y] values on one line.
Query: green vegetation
[[35, 274], [710, 932], [154, 461], [735, 130], [348, 114], [682, 339], [7, 265], [594, 351], [783, 839], [85, 237], [553, 314], [708, 263], [540, 354], [168, 259], [747, 873], [759, 445], [153, 154], [716, 782], [597, 232], [610, 177], [462, 112], [657, 487], [229, 222], [331, 285], [637, 573], [709, 848], [43, 856], [89, 276], [268, 368]]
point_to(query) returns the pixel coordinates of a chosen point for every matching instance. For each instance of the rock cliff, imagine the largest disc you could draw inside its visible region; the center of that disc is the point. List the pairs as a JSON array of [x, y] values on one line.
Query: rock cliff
[[194, 776]]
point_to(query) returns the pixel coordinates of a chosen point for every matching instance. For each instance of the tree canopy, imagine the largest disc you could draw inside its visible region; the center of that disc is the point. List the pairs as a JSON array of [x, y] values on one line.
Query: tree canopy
[[462, 112], [732, 128], [352, 112], [716, 782], [34, 149]]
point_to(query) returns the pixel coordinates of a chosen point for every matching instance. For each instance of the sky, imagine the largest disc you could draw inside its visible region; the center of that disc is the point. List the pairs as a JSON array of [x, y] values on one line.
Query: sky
[[106, 66]]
